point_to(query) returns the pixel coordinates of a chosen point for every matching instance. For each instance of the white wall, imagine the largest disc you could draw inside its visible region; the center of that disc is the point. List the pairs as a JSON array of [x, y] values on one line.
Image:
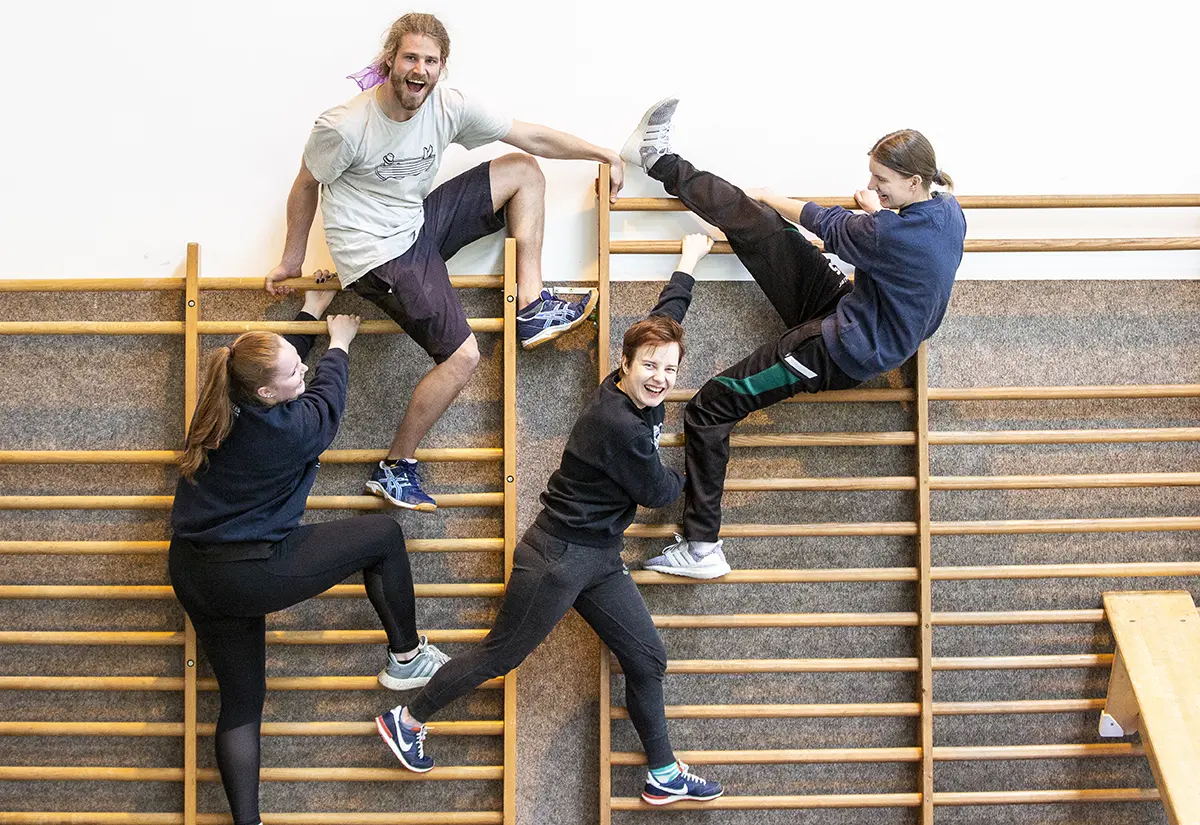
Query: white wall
[[135, 127]]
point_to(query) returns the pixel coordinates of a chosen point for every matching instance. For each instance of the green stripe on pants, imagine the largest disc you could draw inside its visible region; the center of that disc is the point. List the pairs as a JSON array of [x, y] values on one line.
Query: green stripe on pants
[[772, 378]]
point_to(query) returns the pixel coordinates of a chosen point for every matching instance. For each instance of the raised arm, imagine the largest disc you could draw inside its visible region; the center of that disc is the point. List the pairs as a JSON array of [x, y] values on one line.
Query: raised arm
[[676, 296], [301, 209], [555, 145]]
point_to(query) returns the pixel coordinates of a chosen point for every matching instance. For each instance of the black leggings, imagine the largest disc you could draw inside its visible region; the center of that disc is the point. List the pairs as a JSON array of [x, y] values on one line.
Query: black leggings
[[800, 283], [549, 577], [228, 602]]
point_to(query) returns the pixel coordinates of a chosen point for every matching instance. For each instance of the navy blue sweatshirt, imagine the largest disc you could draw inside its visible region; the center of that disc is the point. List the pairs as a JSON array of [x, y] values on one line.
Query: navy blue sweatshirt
[[611, 462], [904, 269], [255, 485]]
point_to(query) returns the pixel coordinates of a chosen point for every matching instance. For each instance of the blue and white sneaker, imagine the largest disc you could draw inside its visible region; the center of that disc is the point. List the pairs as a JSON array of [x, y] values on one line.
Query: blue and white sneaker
[[552, 317], [681, 559], [406, 743], [416, 671], [685, 786], [400, 485]]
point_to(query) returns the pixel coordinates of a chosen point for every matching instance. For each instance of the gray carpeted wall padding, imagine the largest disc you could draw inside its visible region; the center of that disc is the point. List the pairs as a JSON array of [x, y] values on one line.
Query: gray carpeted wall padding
[[126, 393]]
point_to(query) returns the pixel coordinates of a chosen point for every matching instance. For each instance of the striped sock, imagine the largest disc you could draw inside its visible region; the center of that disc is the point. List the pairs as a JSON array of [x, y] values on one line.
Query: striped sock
[[667, 773]]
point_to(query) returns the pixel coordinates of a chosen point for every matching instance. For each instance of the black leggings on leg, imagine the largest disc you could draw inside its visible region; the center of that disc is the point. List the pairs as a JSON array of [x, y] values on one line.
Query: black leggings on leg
[[228, 602]]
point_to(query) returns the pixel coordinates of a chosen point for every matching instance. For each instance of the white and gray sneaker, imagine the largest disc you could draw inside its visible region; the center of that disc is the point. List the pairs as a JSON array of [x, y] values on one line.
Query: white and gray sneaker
[[681, 559], [652, 137], [416, 671]]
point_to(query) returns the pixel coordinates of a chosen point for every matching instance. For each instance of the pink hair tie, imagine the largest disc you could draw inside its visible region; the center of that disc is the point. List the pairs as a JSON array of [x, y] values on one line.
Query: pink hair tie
[[368, 78]]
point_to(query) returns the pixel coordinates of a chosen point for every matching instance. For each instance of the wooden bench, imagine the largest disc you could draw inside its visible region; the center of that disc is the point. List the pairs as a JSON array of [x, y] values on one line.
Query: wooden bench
[[1155, 688]]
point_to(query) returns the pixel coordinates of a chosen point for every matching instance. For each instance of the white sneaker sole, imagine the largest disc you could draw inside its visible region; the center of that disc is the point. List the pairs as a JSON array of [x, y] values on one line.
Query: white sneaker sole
[[667, 800], [392, 683], [710, 572], [375, 488], [554, 332], [391, 743], [631, 151]]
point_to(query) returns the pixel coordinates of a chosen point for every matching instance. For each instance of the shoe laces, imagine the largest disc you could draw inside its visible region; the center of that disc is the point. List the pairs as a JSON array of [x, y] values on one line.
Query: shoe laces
[[420, 734], [659, 135], [686, 772]]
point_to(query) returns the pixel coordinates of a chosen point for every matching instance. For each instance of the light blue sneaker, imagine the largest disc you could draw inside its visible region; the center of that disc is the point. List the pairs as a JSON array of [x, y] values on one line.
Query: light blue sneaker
[[685, 786], [416, 671], [400, 485], [552, 317], [406, 743]]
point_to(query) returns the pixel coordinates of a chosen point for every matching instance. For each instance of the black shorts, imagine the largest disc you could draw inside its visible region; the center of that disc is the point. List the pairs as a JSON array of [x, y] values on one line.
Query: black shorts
[[414, 289]]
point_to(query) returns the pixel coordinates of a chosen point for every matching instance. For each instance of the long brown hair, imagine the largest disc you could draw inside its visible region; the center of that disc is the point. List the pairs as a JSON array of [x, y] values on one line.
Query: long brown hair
[[411, 23], [910, 153], [234, 375]]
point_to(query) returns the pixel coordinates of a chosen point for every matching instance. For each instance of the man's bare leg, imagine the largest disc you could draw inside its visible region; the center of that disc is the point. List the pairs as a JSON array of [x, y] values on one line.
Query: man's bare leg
[[432, 396]]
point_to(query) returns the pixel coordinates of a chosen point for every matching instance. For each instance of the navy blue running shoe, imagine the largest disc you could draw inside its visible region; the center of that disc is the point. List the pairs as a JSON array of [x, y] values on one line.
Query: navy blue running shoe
[[685, 786], [401, 485], [406, 743], [551, 317]]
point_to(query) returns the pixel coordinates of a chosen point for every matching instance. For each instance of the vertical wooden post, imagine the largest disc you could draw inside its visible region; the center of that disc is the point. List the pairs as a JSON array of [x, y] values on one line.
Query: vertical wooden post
[[925, 597], [603, 185], [605, 736], [191, 380], [510, 512]]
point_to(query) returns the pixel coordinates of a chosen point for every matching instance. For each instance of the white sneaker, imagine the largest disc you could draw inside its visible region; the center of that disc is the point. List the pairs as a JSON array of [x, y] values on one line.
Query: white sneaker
[[652, 137], [681, 560]]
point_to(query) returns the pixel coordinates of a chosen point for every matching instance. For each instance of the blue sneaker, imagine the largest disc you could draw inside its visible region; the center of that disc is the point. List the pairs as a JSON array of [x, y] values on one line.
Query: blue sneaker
[[406, 743], [685, 786], [415, 672], [401, 485], [552, 317]]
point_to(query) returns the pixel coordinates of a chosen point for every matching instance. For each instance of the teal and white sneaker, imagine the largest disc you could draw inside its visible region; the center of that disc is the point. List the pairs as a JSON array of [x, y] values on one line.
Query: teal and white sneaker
[[416, 671], [685, 786]]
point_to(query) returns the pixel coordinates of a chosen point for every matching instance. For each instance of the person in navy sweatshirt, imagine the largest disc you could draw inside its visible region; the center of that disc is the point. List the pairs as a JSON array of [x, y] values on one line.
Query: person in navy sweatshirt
[[238, 550], [905, 247], [571, 555]]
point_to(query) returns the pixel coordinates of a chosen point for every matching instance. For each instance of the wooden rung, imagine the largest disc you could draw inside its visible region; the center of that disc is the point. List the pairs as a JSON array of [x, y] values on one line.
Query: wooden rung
[[91, 328], [833, 574], [1048, 662], [77, 773], [1062, 482], [168, 729], [991, 618], [765, 711], [855, 396], [73, 548], [965, 201], [173, 456], [1065, 525], [1094, 795], [169, 638], [165, 592], [1068, 392], [256, 284], [971, 245], [164, 502], [319, 327], [862, 528], [308, 818], [825, 484], [1066, 571], [1017, 706], [365, 637], [788, 620], [805, 756], [877, 665], [1151, 435], [168, 683], [902, 439], [781, 803]]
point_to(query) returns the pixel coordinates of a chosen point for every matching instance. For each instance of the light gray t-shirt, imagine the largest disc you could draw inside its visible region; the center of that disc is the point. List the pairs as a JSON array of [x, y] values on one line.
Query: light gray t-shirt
[[375, 173]]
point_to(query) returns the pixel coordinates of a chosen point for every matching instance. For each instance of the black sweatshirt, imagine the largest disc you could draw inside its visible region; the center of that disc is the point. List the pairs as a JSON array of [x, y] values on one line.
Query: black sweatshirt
[[611, 462], [254, 486]]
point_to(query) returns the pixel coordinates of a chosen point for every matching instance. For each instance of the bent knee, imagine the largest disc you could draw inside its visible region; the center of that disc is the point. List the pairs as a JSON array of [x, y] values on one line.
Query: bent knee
[[466, 357], [521, 167]]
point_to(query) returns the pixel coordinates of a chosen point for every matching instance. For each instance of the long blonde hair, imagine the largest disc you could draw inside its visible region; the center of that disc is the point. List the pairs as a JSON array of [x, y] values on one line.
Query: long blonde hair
[[411, 23], [234, 375]]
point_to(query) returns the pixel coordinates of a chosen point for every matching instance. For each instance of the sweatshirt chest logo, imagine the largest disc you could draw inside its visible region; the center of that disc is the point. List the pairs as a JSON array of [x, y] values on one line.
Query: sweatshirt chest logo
[[657, 433], [392, 169]]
